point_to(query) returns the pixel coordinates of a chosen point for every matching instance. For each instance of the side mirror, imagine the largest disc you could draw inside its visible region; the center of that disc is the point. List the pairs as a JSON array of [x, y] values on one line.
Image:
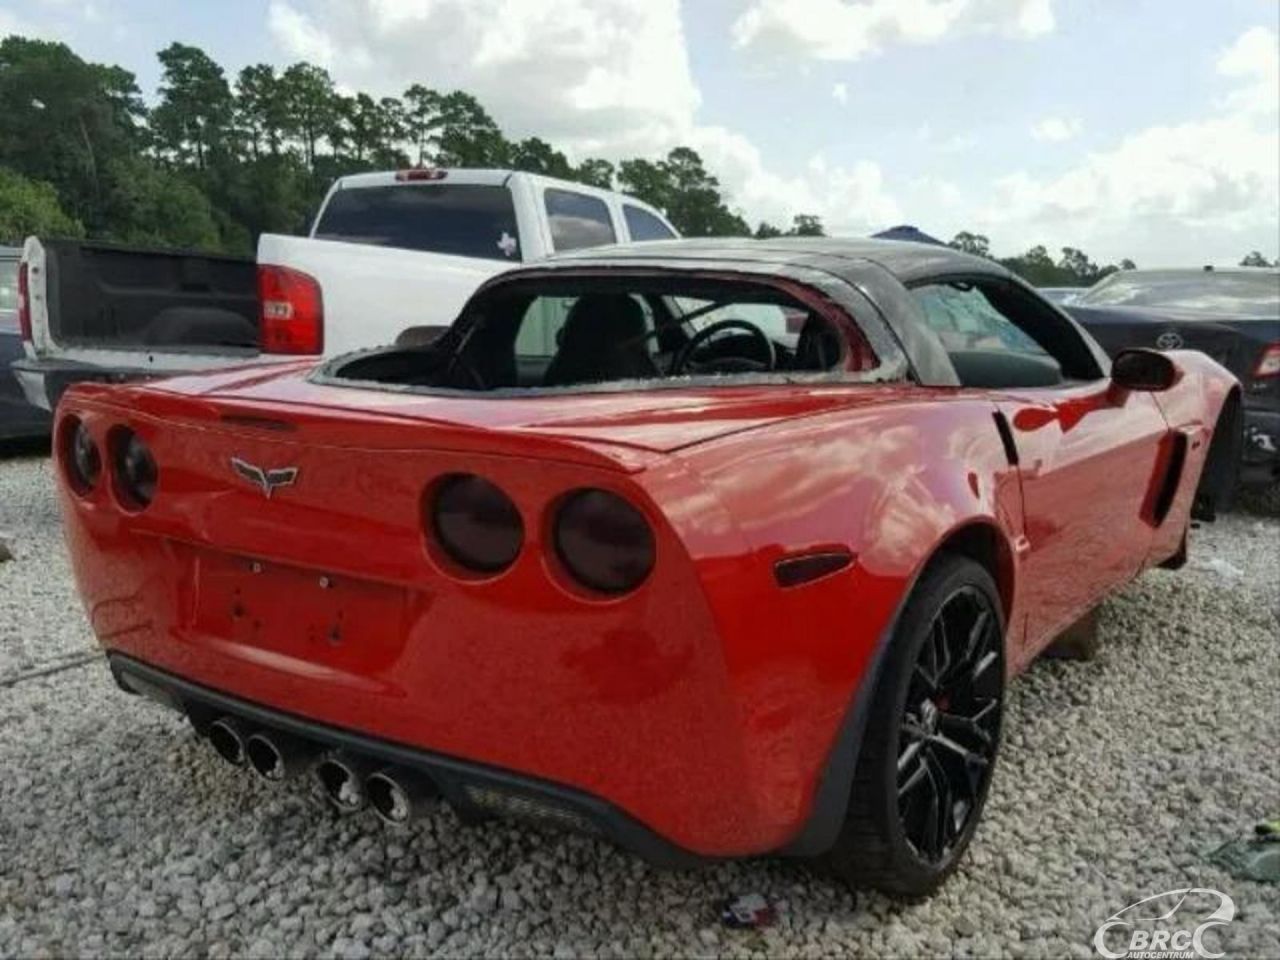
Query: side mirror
[[1146, 370]]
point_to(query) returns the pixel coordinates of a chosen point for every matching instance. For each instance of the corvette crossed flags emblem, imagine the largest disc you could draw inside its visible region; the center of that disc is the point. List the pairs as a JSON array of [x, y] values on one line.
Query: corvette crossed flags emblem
[[268, 481]]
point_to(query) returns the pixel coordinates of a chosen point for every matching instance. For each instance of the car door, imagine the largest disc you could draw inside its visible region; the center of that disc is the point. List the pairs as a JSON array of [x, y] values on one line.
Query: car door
[[1087, 457], [1088, 453]]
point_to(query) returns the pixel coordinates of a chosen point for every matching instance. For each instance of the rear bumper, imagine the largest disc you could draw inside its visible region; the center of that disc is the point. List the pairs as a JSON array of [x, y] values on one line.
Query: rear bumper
[[1260, 464], [474, 790], [18, 417], [43, 382]]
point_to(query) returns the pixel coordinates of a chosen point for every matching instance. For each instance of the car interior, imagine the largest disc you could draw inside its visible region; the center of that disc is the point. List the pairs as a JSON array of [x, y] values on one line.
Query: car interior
[[562, 332], [998, 335], [566, 333]]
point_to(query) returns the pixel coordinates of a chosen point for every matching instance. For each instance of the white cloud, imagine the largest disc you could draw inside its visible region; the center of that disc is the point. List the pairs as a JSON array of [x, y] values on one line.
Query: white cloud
[[299, 36], [840, 93], [1207, 188], [606, 78], [1255, 60], [1057, 129], [951, 143], [588, 73], [852, 200], [852, 29]]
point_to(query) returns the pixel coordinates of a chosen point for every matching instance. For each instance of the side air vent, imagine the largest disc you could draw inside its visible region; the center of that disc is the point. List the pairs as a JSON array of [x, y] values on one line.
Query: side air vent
[[1006, 438], [1172, 478]]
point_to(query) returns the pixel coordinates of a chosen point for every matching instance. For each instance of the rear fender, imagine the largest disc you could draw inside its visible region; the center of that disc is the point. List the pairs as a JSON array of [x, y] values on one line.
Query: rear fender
[[1199, 406], [890, 485]]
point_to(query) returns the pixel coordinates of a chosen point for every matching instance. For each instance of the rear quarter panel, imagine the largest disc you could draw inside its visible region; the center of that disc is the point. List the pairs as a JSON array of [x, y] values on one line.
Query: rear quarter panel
[[887, 481]]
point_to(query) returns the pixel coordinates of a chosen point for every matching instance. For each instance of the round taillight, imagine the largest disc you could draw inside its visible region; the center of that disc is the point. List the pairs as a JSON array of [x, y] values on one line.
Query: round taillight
[[476, 524], [134, 468], [603, 541], [81, 456]]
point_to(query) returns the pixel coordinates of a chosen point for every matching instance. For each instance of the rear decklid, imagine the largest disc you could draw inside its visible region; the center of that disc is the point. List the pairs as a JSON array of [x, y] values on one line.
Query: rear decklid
[[643, 420]]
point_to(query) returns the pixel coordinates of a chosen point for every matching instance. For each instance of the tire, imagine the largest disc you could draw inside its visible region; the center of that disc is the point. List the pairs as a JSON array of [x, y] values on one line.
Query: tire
[[1220, 476], [886, 846]]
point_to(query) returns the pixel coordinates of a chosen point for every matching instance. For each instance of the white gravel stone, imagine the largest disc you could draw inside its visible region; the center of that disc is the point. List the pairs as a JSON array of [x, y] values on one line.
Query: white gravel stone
[[122, 834]]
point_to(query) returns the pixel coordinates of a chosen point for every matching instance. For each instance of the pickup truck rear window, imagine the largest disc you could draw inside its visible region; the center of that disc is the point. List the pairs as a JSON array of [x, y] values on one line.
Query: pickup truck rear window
[[465, 220]]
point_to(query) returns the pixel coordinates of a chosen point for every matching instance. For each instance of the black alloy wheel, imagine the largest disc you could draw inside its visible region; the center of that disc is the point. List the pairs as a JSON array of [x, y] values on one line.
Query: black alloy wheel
[[929, 749]]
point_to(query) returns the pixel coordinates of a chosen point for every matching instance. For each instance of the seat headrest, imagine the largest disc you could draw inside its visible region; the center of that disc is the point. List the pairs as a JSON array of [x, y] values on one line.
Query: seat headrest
[[601, 317]]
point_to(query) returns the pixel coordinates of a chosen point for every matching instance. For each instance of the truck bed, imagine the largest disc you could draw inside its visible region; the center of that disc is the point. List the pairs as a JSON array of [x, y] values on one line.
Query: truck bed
[[103, 296]]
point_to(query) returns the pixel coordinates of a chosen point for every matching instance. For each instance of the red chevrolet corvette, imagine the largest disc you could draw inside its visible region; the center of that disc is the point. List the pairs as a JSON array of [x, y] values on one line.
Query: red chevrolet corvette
[[714, 548]]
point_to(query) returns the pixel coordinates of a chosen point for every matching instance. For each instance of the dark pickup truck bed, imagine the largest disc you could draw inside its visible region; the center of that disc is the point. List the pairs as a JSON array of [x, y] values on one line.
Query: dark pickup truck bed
[[105, 312]]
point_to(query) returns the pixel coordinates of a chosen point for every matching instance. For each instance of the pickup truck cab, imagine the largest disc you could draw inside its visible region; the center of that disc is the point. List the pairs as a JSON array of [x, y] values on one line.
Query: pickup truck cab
[[388, 253]]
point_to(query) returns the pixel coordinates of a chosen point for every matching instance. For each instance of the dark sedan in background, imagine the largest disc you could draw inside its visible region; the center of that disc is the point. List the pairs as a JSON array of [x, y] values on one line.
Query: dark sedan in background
[[17, 417], [1233, 315]]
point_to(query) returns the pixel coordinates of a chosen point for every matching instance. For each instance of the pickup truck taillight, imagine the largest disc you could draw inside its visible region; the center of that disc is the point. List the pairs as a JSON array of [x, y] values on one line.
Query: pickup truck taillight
[[290, 311], [1268, 363], [24, 304]]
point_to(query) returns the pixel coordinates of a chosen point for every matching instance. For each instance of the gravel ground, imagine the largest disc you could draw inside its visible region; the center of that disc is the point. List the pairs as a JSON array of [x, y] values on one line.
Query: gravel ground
[[120, 833]]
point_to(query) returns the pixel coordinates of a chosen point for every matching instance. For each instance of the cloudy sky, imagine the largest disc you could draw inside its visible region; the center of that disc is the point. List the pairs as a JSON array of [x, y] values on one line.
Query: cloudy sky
[[1139, 128]]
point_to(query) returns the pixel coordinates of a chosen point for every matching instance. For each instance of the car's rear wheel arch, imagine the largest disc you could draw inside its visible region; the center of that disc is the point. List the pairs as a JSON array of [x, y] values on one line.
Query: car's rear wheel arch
[[979, 540], [1220, 475]]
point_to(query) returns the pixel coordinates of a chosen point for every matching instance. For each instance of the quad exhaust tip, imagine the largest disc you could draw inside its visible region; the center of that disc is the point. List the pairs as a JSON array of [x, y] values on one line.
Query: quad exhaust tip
[[350, 783], [341, 777], [227, 737], [399, 796], [277, 757]]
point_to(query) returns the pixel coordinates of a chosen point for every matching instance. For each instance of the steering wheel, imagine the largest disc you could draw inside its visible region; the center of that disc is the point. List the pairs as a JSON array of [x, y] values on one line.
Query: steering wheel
[[725, 364]]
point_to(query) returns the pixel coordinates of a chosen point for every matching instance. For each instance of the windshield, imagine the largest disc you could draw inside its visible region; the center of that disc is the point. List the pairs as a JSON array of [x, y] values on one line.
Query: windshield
[[1220, 293], [574, 332], [466, 220]]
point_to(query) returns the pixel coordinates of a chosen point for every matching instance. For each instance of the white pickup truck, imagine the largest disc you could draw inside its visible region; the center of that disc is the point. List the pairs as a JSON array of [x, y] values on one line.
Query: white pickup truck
[[387, 252]]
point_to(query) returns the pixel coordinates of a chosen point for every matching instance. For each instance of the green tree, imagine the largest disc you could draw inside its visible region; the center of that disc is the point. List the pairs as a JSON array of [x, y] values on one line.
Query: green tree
[[1079, 269], [261, 112], [468, 136], [66, 122], [806, 225], [196, 109], [392, 129], [422, 120], [310, 107], [31, 207], [360, 126], [535, 155], [596, 173], [680, 186], [766, 231], [1127, 264], [974, 243], [1036, 267], [1255, 259], [152, 207]]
